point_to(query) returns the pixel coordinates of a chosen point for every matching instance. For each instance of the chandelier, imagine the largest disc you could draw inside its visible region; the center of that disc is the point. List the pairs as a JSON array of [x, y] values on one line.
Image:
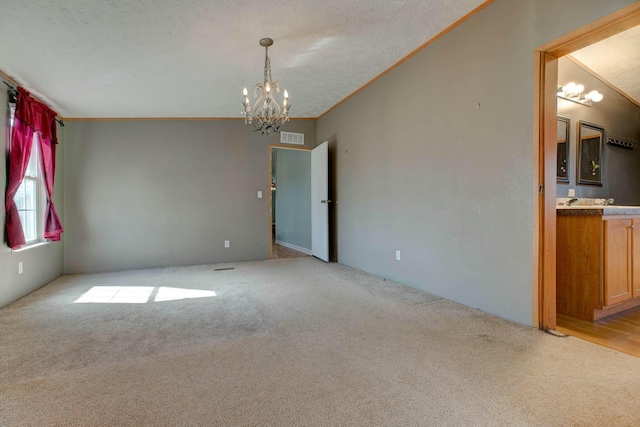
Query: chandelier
[[266, 115]]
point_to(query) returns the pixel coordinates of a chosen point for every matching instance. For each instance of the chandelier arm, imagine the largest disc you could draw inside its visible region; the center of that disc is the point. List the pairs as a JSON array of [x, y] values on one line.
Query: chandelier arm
[[254, 110]]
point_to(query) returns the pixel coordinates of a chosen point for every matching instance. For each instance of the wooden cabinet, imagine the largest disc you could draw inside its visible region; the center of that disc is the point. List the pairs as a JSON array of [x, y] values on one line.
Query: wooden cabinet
[[635, 258], [598, 265]]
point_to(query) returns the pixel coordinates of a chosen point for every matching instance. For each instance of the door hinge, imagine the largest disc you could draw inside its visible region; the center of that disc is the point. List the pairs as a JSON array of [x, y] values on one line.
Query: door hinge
[[541, 189]]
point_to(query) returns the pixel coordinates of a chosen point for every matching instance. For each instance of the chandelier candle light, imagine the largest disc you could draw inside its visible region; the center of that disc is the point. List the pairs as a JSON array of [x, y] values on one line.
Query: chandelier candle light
[[266, 115]]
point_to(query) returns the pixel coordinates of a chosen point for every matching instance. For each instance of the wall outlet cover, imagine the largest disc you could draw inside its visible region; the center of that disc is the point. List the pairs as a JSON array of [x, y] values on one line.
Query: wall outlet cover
[[20, 267], [226, 244], [397, 255], [572, 192]]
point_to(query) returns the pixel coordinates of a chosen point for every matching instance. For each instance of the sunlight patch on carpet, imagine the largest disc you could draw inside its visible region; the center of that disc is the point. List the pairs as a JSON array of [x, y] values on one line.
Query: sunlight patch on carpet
[[173, 294], [139, 294]]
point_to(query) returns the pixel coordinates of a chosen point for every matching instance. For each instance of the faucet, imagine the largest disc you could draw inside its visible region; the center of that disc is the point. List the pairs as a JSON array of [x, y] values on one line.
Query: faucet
[[570, 202], [607, 202]]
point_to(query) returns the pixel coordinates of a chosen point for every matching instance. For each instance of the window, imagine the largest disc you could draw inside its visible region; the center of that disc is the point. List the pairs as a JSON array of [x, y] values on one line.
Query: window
[[28, 197]]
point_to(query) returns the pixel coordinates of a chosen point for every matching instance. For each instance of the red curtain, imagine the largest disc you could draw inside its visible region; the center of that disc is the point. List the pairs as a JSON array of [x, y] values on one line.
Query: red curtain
[[31, 117], [52, 226]]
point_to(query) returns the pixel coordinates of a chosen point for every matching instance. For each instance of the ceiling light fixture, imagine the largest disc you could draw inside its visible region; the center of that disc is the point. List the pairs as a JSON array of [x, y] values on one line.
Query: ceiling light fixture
[[266, 115], [575, 92]]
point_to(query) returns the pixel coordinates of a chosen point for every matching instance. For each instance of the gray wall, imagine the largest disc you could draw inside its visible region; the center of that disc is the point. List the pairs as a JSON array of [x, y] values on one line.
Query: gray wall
[[618, 115], [420, 168], [162, 193], [42, 264], [293, 199]]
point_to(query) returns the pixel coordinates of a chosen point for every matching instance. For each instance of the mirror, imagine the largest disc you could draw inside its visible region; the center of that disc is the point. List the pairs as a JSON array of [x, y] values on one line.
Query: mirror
[[563, 149], [590, 164]]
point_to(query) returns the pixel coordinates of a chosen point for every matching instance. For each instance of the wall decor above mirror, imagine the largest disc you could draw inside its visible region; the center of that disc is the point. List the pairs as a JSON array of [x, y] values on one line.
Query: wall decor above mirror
[[563, 149], [590, 163]]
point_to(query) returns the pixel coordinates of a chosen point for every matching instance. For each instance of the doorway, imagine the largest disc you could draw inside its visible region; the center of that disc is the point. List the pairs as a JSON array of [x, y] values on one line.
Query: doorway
[[290, 201], [545, 151]]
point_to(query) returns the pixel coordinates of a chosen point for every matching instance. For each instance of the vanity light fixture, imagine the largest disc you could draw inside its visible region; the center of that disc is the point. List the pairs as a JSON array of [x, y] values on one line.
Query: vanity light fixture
[[266, 116], [575, 92]]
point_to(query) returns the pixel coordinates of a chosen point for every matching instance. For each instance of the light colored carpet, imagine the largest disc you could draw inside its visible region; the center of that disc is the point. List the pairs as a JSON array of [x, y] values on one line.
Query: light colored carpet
[[291, 342]]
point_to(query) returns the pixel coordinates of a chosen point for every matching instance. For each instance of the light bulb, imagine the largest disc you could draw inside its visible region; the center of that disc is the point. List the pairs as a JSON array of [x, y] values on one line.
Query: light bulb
[[267, 87], [244, 91], [579, 88], [595, 96], [569, 88], [286, 94]]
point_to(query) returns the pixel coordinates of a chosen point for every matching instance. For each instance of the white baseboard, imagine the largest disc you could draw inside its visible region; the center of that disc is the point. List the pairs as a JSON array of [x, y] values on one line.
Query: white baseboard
[[294, 247]]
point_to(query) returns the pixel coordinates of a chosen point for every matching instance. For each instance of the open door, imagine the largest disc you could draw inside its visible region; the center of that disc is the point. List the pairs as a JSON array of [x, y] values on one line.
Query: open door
[[320, 201]]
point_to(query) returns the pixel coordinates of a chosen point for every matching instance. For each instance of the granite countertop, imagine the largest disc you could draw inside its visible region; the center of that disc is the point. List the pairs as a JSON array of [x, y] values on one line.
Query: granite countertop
[[597, 210]]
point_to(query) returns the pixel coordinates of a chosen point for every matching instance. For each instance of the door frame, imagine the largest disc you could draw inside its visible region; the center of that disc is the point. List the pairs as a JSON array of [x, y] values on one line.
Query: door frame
[[544, 153], [271, 147]]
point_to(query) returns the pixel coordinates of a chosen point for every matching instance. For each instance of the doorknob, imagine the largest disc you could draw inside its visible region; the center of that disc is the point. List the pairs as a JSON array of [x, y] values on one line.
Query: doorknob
[[325, 201]]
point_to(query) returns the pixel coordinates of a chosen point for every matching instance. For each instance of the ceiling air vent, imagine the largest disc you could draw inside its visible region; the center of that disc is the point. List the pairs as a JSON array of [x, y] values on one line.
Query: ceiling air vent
[[292, 138]]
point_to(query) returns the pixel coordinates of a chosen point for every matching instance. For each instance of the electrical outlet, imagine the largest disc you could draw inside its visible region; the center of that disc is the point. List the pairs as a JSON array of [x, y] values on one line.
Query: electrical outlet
[[259, 194], [397, 255], [226, 244], [20, 267], [572, 192]]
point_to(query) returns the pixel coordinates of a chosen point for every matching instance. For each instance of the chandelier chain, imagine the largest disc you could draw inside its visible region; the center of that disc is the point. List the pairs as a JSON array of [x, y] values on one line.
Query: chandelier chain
[[267, 65]]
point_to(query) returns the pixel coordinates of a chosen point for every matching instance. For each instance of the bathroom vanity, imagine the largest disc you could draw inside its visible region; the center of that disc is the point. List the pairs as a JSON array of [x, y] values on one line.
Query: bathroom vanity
[[598, 260]]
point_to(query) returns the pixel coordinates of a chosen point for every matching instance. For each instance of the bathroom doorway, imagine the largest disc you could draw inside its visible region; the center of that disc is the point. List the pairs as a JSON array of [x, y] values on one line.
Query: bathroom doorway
[[545, 145]]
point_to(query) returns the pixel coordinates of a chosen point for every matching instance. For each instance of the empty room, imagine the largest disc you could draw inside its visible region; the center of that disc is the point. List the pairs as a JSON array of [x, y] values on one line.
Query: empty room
[[319, 213]]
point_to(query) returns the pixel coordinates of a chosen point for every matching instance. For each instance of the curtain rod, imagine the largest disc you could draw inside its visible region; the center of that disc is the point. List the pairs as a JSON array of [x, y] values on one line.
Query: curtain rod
[[13, 91]]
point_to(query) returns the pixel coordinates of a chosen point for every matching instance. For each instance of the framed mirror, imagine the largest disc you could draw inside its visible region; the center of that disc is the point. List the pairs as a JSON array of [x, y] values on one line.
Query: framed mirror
[[590, 163], [563, 149]]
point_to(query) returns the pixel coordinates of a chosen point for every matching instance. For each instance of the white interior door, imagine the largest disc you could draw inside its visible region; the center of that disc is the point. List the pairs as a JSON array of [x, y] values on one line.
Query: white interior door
[[320, 201]]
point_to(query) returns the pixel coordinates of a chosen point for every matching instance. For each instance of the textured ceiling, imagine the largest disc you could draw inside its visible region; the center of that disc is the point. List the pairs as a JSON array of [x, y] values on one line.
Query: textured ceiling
[[617, 60], [191, 58]]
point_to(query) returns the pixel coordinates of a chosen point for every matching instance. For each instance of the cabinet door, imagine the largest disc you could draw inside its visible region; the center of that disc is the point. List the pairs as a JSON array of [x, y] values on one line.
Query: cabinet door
[[635, 270], [617, 260]]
